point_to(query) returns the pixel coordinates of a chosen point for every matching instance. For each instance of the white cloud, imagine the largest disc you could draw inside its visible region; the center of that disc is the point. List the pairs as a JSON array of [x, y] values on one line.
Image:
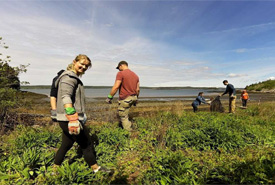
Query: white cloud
[[271, 78], [49, 43], [251, 30], [189, 62], [242, 50], [233, 75], [109, 25]]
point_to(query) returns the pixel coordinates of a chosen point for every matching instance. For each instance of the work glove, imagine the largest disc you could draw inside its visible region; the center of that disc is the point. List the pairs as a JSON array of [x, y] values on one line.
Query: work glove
[[109, 99], [53, 115], [74, 126]]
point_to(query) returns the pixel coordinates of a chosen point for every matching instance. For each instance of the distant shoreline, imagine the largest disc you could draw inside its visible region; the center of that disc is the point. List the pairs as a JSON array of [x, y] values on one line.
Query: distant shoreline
[[103, 87], [254, 96]]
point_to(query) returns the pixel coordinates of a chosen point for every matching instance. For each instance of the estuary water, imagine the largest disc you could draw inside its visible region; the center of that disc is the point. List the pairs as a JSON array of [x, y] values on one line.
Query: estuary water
[[145, 93]]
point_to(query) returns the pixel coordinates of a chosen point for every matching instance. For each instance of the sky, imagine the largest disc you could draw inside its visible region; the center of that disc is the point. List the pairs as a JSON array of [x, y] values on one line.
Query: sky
[[166, 43]]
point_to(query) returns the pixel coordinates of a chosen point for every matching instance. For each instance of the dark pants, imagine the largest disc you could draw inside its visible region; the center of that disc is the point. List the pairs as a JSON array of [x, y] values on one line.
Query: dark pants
[[195, 107], [244, 102], [83, 140]]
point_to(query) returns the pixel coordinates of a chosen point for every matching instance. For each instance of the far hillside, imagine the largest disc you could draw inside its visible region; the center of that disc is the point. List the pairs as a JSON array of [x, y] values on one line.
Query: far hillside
[[268, 85]]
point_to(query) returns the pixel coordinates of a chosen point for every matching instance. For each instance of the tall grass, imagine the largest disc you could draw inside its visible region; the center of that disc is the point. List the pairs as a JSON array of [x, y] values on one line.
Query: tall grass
[[170, 147]]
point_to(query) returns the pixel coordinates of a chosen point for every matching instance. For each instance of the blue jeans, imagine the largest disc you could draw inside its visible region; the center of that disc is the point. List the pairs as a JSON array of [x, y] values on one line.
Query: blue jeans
[[195, 107]]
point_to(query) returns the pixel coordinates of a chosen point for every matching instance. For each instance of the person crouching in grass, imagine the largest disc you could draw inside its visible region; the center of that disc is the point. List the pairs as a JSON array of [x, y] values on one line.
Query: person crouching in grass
[[200, 99]]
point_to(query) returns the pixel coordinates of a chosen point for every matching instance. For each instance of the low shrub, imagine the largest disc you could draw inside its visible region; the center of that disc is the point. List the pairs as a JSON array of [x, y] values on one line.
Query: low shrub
[[168, 148]]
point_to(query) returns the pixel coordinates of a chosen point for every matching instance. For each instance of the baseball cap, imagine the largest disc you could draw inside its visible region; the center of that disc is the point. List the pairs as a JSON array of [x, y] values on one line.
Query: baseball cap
[[120, 63]]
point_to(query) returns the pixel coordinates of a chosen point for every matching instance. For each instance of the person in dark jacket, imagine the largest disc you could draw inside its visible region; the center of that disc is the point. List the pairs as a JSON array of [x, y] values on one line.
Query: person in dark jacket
[[200, 99], [232, 96], [53, 96]]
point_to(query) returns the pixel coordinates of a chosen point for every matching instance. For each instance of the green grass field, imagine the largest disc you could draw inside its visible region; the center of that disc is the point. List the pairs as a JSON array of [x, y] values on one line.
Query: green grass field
[[168, 147]]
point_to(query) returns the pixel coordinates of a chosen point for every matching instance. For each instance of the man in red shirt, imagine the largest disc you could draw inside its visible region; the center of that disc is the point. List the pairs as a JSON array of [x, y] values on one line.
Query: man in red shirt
[[127, 82]]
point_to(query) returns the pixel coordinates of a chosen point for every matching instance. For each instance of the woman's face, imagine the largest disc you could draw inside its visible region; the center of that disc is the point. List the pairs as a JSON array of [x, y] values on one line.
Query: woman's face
[[81, 66]]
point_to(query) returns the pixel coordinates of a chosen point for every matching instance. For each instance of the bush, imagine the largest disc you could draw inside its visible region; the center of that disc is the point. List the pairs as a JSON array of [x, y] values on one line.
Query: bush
[[171, 168], [265, 85], [260, 168], [9, 83], [187, 148]]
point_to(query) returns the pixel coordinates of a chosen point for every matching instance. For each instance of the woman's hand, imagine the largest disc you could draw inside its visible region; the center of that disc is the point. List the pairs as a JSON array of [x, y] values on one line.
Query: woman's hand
[[74, 126]]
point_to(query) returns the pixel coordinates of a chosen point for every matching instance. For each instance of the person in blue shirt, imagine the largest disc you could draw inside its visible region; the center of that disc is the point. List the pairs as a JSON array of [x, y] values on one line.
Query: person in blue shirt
[[200, 99]]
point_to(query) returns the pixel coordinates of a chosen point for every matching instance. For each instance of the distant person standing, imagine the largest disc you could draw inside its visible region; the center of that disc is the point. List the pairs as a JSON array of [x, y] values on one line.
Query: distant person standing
[[232, 96], [244, 98], [200, 99], [127, 82]]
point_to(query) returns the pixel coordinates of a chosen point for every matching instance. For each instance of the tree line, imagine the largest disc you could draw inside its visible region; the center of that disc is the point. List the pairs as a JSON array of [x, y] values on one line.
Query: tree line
[[9, 84]]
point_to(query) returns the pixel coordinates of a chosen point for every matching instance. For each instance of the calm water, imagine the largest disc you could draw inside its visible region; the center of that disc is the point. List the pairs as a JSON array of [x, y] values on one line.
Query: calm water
[[160, 94]]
